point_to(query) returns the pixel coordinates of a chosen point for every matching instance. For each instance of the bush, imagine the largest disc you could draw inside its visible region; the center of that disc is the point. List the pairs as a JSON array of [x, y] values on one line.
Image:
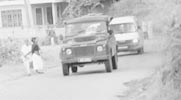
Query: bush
[[172, 71], [10, 51]]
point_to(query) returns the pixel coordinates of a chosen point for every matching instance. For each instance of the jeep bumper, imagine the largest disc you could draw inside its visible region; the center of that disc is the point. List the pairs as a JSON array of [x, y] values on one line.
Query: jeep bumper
[[82, 60]]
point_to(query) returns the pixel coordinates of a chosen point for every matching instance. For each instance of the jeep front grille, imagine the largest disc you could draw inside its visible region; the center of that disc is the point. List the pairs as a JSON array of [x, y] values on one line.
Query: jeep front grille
[[83, 51]]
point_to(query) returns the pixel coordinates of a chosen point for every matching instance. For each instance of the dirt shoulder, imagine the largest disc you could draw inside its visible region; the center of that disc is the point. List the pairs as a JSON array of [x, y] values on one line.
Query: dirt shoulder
[[50, 55], [149, 87]]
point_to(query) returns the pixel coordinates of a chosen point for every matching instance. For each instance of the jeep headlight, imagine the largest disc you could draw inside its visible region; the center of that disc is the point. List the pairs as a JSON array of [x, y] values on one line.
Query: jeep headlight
[[135, 41], [68, 51], [99, 48]]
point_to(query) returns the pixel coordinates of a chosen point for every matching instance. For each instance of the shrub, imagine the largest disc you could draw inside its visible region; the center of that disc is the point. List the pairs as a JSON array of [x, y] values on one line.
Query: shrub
[[10, 51], [172, 78]]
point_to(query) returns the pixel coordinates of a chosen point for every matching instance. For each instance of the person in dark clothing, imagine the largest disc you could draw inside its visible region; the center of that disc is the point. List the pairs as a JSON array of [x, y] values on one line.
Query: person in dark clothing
[[36, 57], [35, 46]]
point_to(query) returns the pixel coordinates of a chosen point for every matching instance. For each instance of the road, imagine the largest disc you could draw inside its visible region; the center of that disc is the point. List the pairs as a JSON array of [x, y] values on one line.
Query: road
[[90, 83]]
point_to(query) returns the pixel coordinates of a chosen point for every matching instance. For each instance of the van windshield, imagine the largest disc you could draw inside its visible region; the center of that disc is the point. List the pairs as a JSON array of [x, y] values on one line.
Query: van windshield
[[124, 28]]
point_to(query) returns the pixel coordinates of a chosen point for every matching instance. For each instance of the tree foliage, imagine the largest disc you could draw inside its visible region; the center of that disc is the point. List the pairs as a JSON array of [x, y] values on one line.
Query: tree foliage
[[81, 7]]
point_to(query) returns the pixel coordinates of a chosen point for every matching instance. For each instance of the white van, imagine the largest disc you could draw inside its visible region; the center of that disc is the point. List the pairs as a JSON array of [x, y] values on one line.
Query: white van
[[128, 34]]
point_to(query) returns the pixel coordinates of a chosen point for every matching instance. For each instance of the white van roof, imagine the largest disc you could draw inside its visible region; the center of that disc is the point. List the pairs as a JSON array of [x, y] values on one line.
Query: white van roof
[[126, 19]]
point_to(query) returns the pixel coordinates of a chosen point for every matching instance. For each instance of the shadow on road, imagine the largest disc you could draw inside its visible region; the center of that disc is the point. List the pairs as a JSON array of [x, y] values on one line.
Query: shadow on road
[[126, 54], [90, 72], [131, 54]]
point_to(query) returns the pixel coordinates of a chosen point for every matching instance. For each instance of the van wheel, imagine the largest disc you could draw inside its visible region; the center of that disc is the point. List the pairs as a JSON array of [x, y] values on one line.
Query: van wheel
[[115, 61], [65, 69], [108, 64], [140, 51], [74, 69]]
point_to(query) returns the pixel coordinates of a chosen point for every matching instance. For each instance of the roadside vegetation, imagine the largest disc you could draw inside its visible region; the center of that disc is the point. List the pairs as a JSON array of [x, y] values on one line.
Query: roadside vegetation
[[165, 83], [9, 51]]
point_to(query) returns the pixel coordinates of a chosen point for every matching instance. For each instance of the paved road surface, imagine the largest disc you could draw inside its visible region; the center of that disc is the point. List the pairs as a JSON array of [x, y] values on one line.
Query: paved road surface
[[91, 83]]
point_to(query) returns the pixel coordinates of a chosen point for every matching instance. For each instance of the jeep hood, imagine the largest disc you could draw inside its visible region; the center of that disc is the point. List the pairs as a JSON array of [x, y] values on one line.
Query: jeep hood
[[126, 36], [85, 40]]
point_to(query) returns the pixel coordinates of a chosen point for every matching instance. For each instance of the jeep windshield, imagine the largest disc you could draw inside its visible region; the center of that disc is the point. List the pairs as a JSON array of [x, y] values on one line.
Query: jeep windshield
[[124, 28], [85, 29]]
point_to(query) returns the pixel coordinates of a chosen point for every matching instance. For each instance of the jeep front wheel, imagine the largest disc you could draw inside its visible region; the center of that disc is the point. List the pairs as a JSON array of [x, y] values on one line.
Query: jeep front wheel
[[65, 69], [108, 65]]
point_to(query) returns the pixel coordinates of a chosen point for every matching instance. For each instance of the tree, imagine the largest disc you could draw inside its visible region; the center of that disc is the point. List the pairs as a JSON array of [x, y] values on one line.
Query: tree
[[81, 7]]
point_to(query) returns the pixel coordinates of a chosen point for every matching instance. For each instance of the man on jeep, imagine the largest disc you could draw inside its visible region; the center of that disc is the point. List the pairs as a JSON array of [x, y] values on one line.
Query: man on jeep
[[88, 40]]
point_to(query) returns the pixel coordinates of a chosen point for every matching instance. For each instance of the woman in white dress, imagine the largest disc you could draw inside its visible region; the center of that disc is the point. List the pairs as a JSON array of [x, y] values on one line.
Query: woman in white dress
[[36, 58], [26, 56]]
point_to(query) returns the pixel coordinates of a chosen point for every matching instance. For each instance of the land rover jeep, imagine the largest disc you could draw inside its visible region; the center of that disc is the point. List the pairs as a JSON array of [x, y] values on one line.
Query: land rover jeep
[[88, 40]]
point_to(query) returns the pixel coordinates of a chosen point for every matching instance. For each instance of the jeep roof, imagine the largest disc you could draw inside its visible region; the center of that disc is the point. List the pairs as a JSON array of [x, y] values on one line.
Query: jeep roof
[[126, 19], [89, 18]]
